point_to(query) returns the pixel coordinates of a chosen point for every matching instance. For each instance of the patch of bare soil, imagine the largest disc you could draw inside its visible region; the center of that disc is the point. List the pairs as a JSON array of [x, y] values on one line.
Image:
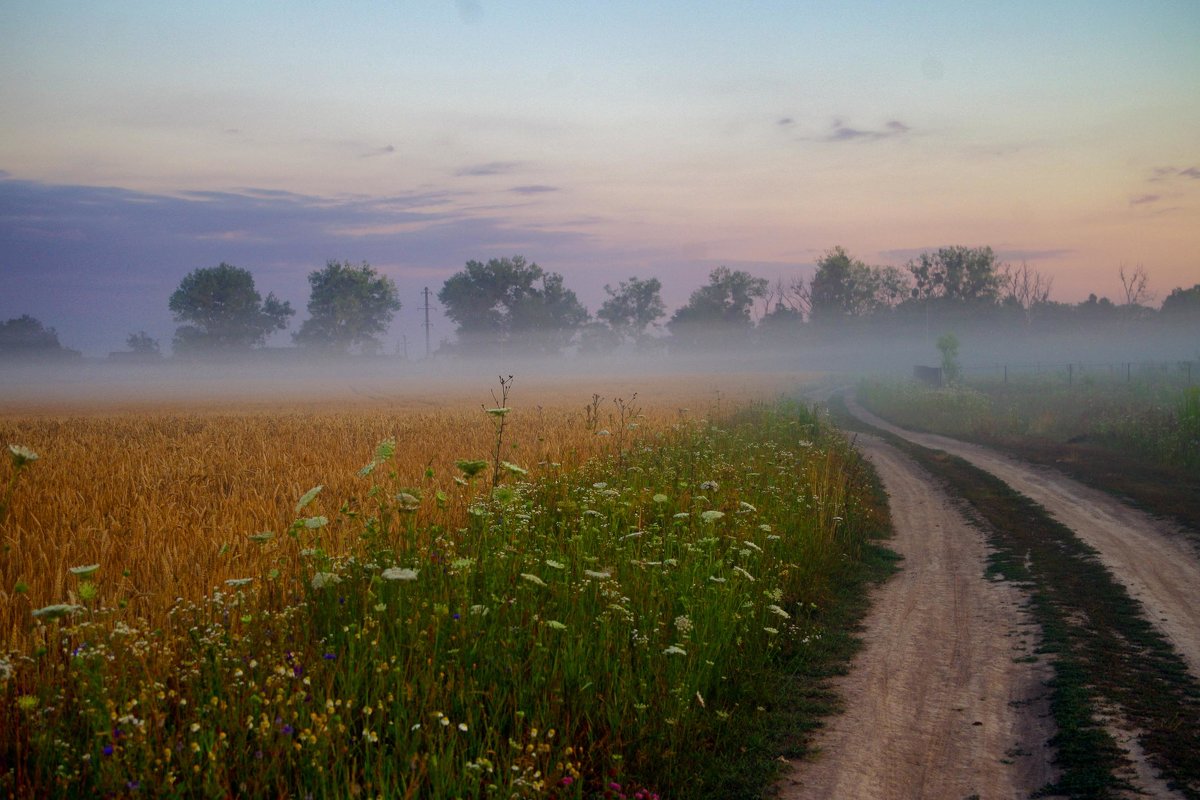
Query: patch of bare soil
[[1156, 565], [943, 701]]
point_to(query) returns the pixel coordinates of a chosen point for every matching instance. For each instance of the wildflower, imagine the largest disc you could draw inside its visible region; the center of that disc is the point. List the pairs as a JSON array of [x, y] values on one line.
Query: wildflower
[[308, 497], [323, 579], [498, 412], [558, 626], [779, 612], [591, 573], [660, 498], [533, 579], [471, 468], [744, 574], [682, 515], [264, 536], [27, 702], [56, 611], [674, 650], [399, 574], [709, 486], [312, 523], [21, 455], [513, 468], [462, 726], [772, 631], [716, 579], [711, 516], [746, 506], [407, 502], [600, 485], [84, 571], [603, 432], [765, 528], [238, 581], [554, 564], [683, 624]]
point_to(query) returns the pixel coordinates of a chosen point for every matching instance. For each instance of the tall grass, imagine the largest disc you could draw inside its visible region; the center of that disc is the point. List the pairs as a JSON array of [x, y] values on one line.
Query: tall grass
[[1157, 419], [596, 631]]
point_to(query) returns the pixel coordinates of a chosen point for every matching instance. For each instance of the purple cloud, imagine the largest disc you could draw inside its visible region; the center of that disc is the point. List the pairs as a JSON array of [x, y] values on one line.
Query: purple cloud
[[1143, 199], [490, 168], [534, 189], [844, 133]]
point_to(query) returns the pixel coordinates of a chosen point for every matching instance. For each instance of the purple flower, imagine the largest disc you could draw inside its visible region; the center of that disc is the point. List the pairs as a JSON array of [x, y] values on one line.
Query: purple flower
[[289, 730], [108, 749], [330, 656]]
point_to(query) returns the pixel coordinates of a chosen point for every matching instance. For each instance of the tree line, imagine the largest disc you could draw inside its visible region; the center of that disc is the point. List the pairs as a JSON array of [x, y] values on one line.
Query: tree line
[[511, 304]]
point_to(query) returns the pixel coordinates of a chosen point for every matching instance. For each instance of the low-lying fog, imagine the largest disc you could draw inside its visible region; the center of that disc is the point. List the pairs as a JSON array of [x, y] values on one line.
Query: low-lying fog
[[268, 376]]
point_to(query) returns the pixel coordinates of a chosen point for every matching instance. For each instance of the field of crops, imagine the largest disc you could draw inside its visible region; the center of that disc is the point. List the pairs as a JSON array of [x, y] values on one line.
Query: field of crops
[[551, 592]]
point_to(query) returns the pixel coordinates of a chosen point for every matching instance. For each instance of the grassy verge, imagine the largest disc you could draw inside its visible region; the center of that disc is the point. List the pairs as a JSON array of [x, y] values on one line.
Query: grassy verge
[[1106, 655], [657, 623]]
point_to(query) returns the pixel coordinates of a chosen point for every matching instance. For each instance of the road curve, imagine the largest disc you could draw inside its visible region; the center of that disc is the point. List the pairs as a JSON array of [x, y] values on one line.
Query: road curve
[[1153, 562]]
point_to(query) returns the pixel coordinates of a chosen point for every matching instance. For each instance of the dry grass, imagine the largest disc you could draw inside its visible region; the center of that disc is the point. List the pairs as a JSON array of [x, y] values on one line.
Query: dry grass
[[163, 493]]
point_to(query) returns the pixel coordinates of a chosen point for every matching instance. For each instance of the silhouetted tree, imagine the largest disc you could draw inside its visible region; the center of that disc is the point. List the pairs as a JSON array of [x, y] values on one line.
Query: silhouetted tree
[[966, 274], [142, 343], [844, 287], [1183, 302], [25, 337], [718, 313], [633, 308], [510, 302], [224, 312], [1025, 288], [348, 306]]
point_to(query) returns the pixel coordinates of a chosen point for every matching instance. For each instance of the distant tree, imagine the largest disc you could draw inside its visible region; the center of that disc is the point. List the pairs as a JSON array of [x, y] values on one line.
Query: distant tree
[[633, 308], [1135, 285], [510, 302], [947, 344], [1025, 288], [956, 274], [224, 312], [348, 306], [719, 312], [1183, 301], [845, 287], [25, 337], [142, 343]]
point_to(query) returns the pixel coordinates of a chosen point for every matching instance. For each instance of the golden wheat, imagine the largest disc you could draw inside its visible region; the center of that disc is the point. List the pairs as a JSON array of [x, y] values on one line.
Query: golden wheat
[[164, 495]]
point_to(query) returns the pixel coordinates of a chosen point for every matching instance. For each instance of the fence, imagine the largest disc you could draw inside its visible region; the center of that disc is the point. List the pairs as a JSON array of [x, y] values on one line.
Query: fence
[[1184, 372]]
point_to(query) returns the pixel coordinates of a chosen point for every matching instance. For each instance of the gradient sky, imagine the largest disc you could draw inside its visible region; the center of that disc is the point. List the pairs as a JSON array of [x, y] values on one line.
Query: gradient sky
[[141, 140]]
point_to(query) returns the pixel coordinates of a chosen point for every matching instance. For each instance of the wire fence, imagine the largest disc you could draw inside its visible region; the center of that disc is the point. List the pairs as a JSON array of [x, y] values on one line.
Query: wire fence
[[1186, 373]]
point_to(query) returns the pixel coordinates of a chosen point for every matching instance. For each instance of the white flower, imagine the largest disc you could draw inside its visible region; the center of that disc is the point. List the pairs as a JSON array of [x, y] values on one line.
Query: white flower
[[715, 579], [772, 631], [323, 579], [316, 522], [308, 497], [558, 626], [779, 612], [56, 611], [674, 650], [660, 498], [603, 433], [591, 573], [683, 624], [554, 564], [85, 570], [238, 581], [744, 573], [399, 574], [746, 506], [709, 486], [21, 455], [533, 579], [711, 516]]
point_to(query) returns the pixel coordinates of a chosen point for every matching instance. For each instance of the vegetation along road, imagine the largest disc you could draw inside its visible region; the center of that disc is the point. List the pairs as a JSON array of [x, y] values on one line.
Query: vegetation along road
[[1076, 676]]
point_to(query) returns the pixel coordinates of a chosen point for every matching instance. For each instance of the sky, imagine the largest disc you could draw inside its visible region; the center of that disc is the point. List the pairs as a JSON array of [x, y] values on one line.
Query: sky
[[142, 140]]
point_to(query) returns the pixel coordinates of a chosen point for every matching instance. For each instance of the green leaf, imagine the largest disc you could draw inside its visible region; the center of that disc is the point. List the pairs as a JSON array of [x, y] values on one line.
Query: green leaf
[[308, 497]]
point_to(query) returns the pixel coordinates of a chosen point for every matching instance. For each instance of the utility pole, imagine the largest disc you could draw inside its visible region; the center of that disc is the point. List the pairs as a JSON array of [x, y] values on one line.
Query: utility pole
[[426, 293]]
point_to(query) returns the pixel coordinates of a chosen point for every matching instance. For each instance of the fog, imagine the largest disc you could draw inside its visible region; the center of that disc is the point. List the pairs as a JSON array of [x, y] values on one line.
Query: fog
[[272, 377]]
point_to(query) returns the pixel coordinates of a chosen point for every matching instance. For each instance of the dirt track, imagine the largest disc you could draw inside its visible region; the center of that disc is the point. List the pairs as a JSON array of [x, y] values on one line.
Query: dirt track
[[938, 706], [1157, 567]]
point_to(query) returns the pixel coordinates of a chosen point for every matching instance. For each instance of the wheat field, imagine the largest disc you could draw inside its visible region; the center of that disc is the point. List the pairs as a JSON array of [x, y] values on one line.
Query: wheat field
[[164, 490]]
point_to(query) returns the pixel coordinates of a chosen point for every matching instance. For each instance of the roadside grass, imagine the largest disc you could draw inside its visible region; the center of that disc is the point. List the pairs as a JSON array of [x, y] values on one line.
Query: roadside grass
[[1105, 653], [655, 622], [1138, 440]]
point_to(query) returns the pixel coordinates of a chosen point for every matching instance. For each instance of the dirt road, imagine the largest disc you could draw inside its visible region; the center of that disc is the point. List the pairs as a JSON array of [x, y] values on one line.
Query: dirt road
[[938, 706], [1157, 567]]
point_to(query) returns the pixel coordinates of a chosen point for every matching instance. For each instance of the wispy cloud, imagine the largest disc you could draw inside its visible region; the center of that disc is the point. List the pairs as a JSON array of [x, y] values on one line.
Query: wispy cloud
[[1003, 254], [841, 132], [489, 168], [382, 151], [536, 188], [1167, 173], [1144, 199]]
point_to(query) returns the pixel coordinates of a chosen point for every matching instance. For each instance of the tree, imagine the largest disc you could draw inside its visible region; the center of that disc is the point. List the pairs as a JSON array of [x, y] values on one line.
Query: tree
[[1025, 288], [348, 306], [26, 337], [511, 302], [962, 274], [1183, 301], [947, 344], [142, 343], [845, 287], [224, 312], [633, 308], [720, 309]]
